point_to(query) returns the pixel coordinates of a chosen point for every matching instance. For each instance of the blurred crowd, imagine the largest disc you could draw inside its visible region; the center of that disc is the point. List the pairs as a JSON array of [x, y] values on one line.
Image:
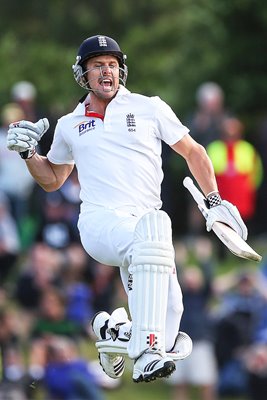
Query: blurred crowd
[[50, 288]]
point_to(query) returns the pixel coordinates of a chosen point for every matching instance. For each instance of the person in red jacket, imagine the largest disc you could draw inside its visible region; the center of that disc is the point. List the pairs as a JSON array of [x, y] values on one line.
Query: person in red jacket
[[238, 167]]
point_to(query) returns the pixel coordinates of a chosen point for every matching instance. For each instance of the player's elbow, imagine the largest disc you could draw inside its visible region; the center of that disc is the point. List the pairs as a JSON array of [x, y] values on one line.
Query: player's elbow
[[49, 187], [55, 177], [50, 183]]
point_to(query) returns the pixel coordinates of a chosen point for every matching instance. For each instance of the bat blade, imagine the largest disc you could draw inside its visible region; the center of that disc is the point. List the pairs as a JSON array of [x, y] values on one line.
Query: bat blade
[[227, 235]]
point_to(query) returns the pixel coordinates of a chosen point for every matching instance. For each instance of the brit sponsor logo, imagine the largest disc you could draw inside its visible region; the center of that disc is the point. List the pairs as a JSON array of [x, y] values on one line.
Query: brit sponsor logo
[[85, 126]]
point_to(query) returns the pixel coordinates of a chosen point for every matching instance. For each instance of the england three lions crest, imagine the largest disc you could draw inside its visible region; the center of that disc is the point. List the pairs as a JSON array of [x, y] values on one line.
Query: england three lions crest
[[130, 122]]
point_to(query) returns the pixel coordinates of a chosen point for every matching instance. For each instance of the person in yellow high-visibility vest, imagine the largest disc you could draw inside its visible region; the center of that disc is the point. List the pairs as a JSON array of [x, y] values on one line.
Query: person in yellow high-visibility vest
[[238, 167]]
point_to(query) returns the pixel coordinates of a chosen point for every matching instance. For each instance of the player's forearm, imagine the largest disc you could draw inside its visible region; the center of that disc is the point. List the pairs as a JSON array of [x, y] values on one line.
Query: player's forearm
[[42, 171], [201, 168], [198, 162]]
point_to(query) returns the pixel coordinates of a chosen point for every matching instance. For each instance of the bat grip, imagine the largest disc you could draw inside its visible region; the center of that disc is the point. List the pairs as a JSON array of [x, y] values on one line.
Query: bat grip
[[195, 192]]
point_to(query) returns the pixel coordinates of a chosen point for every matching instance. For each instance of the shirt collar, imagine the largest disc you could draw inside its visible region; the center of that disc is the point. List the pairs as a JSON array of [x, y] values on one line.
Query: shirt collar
[[79, 110]]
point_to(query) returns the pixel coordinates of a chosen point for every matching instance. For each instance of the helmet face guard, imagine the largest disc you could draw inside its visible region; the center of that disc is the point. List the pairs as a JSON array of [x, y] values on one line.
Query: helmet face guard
[[95, 46]]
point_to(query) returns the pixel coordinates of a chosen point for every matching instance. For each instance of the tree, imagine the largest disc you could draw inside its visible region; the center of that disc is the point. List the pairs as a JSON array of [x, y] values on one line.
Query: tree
[[172, 47]]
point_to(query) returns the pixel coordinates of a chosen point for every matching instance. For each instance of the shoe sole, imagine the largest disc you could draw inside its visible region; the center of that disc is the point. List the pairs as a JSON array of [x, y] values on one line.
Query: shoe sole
[[163, 372]]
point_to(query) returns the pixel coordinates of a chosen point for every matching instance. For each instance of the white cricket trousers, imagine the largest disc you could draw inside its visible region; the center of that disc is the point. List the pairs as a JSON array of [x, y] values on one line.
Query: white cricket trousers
[[107, 236]]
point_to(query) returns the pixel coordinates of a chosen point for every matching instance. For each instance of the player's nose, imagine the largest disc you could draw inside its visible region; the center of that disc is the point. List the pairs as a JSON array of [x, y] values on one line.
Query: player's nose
[[106, 70]]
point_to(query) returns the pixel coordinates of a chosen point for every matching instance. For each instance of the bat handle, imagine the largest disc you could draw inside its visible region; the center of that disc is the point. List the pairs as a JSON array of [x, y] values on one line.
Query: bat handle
[[195, 192]]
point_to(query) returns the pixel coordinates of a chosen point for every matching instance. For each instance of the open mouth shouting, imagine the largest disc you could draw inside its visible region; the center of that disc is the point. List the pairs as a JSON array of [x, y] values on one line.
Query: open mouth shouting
[[107, 84]]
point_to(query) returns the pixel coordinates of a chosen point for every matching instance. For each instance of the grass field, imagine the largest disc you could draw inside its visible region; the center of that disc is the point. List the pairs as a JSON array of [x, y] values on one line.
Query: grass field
[[149, 391], [156, 390]]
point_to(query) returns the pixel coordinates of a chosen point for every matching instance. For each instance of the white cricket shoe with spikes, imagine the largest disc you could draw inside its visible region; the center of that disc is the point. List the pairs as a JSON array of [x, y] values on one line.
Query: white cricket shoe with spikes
[[112, 331], [152, 365]]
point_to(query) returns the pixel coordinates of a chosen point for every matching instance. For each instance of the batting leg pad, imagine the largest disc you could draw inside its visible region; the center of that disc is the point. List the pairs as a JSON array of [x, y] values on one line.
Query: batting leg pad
[[152, 263]]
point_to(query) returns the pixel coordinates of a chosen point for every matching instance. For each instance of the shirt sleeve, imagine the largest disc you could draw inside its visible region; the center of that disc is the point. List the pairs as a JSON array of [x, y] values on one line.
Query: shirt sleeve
[[60, 152], [169, 127]]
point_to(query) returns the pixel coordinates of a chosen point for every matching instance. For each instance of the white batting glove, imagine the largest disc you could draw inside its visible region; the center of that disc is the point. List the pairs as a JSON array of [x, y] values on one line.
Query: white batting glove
[[23, 136], [228, 214]]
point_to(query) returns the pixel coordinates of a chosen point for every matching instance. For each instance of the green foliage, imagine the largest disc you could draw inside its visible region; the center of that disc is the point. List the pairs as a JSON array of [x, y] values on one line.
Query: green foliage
[[172, 47]]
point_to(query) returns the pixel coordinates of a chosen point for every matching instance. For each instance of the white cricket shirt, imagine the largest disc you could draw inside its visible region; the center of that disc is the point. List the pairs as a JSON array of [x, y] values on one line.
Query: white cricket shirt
[[118, 159]]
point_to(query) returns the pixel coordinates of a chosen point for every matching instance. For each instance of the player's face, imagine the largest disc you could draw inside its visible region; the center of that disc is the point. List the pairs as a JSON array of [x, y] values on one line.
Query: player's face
[[103, 75]]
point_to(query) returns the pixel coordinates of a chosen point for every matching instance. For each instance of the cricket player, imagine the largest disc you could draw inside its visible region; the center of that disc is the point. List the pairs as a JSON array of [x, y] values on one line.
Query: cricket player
[[114, 138]]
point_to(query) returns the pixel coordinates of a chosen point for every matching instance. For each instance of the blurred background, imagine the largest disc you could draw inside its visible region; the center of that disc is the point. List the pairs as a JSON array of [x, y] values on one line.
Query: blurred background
[[207, 60]]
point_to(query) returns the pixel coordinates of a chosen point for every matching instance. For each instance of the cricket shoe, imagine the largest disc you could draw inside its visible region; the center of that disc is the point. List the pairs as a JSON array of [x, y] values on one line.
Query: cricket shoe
[[152, 365], [112, 331], [182, 347]]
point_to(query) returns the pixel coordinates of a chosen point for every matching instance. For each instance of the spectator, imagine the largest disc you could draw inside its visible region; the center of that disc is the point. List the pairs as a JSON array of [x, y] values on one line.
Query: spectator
[[9, 240], [70, 192], [256, 367], [11, 347], [262, 277], [51, 320], [237, 318], [237, 164], [57, 219], [256, 360], [24, 94], [105, 286], [68, 376], [196, 320], [41, 270], [15, 181], [206, 122], [256, 354], [78, 285]]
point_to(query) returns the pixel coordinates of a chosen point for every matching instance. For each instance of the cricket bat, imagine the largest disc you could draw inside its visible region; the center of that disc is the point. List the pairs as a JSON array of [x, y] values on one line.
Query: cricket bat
[[227, 235]]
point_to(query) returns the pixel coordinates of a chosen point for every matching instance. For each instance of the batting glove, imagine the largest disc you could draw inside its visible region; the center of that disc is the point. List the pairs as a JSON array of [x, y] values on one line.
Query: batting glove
[[23, 136], [223, 211]]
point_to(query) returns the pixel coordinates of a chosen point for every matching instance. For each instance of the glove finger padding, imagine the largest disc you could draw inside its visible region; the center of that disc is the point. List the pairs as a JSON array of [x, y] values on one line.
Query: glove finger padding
[[228, 214], [21, 146], [40, 127], [21, 139], [22, 134]]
